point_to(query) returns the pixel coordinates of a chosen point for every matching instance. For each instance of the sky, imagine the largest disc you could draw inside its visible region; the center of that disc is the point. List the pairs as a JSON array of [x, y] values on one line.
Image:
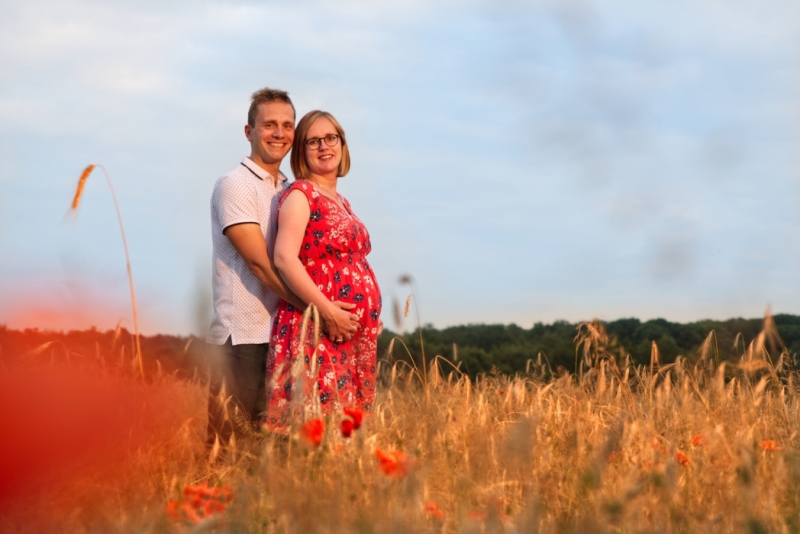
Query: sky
[[521, 161]]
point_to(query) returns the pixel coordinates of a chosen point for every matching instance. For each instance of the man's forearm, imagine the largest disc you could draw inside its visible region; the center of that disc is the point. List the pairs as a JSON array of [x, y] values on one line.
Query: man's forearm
[[268, 276]]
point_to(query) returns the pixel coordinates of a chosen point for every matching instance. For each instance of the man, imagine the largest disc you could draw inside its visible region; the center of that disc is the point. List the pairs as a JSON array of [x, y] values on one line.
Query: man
[[246, 286]]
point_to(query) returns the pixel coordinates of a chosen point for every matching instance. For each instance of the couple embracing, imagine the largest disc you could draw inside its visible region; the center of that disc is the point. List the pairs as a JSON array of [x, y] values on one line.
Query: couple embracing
[[278, 248]]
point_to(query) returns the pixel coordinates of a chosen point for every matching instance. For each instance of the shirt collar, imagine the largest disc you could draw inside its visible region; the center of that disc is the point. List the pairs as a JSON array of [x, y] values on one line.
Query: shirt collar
[[260, 173]]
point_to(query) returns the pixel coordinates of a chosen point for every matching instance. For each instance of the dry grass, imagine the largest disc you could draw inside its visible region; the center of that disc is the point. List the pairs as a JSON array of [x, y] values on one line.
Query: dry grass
[[618, 448], [74, 210]]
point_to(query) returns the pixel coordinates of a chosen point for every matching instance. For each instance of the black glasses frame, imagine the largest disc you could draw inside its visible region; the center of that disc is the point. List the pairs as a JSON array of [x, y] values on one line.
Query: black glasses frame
[[330, 140]]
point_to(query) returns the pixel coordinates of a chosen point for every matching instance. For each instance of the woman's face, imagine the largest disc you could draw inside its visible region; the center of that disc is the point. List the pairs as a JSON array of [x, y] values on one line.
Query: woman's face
[[324, 159]]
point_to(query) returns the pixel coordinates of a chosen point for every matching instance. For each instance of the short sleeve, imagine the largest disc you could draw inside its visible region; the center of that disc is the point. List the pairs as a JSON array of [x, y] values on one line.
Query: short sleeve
[[302, 186], [234, 202]]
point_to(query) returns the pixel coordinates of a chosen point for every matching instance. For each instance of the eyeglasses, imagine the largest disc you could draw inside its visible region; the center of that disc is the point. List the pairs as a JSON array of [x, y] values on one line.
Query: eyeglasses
[[330, 140]]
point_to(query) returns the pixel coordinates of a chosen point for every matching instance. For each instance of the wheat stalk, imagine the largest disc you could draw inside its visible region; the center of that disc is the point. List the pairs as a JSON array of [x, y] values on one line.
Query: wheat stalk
[[74, 209]]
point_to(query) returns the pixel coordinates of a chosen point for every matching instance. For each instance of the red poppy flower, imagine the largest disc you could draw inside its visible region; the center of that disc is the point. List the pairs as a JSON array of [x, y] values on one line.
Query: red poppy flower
[[681, 458], [770, 445], [356, 415], [347, 427], [199, 503], [351, 421], [433, 510], [493, 507], [698, 440], [394, 463], [312, 431], [172, 510], [190, 514]]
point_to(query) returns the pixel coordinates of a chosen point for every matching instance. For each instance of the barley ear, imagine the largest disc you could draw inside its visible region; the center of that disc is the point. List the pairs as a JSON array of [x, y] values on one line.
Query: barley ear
[[81, 183]]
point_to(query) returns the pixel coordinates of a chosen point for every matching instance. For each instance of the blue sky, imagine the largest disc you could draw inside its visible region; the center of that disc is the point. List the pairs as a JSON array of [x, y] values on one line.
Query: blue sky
[[522, 161]]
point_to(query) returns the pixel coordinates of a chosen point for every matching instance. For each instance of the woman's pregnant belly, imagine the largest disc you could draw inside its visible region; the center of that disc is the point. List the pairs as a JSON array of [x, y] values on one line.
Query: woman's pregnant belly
[[349, 282]]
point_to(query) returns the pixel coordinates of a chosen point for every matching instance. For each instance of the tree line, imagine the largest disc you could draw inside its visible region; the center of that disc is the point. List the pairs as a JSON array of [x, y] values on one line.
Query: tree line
[[485, 348], [474, 349]]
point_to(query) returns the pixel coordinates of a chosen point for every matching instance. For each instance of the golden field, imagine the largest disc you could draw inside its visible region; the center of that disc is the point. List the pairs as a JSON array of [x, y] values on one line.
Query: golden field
[[693, 446]]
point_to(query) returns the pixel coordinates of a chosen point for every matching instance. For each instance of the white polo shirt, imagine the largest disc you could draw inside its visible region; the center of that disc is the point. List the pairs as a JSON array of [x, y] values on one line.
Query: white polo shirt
[[243, 306]]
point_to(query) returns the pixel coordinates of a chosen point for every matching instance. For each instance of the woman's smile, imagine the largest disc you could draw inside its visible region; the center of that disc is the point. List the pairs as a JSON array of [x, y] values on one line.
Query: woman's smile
[[324, 159]]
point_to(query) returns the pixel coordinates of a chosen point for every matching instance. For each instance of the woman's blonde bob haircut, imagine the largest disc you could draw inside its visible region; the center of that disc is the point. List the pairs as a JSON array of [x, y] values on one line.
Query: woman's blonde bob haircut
[[298, 161]]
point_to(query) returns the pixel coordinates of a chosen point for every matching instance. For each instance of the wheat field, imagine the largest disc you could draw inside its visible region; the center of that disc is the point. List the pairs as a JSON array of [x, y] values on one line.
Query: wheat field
[[693, 446]]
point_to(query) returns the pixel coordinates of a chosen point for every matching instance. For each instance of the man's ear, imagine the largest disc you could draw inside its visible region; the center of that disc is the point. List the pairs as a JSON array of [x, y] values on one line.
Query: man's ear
[[247, 132]]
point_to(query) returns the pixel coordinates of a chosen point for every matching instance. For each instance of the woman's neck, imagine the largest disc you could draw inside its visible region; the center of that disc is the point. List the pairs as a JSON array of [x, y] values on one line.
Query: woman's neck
[[326, 181]]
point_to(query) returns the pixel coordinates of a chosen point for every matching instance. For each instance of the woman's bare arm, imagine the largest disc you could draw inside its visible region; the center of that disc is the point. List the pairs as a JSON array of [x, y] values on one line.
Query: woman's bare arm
[[292, 222]]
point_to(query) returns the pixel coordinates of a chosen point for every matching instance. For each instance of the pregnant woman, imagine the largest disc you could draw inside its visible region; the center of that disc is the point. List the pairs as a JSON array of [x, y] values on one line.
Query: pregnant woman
[[321, 253]]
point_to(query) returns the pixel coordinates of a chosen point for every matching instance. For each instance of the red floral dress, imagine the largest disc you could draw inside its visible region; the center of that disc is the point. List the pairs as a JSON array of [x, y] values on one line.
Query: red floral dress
[[334, 253]]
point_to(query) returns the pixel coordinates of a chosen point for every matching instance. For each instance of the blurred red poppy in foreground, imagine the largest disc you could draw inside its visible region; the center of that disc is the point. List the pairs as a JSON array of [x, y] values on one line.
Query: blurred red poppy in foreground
[[433, 510], [199, 503], [356, 414], [681, 458], [494, 508], [312, 431], [58, 423], [347, 427], [351, 421], [394, 463], [770, 445], [698, 440]]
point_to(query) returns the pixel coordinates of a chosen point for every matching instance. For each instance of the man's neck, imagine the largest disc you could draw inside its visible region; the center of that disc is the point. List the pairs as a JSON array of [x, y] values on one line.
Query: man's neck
[[272, 168]]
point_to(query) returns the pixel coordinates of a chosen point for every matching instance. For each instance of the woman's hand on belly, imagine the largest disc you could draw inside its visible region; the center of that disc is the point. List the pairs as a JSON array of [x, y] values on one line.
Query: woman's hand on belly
[[338, 322]]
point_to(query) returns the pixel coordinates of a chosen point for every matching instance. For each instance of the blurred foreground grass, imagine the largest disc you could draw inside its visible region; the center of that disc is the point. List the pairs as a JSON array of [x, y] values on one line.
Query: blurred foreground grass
[[692, 446]]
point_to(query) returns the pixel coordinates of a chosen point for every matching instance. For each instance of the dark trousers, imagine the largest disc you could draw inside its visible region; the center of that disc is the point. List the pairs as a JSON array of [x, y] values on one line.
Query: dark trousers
[[242, 370]]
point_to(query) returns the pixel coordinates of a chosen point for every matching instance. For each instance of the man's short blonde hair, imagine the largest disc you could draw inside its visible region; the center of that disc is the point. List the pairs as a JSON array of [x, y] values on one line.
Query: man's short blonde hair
[[265, 96], [298, 161]]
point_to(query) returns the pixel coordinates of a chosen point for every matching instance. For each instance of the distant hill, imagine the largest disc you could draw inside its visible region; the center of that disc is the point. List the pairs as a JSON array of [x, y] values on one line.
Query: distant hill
[[479, 348]]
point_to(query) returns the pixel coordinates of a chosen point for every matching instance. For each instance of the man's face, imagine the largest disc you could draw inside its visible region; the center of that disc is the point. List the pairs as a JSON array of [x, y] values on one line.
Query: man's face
[[272, 135]]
